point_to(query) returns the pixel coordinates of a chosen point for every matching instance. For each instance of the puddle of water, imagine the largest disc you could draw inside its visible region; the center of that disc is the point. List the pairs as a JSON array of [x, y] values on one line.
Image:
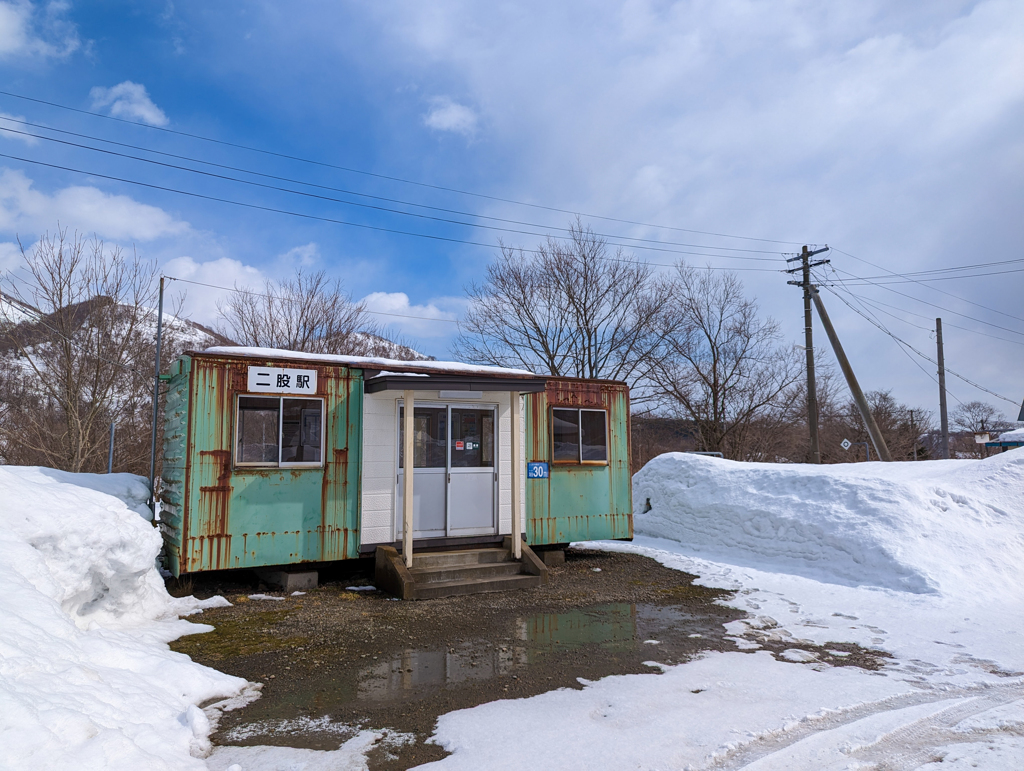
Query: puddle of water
[[408, 687]]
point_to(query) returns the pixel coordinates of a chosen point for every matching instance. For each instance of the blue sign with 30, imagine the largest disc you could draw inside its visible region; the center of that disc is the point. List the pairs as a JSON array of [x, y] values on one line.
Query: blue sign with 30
[[537, 470]]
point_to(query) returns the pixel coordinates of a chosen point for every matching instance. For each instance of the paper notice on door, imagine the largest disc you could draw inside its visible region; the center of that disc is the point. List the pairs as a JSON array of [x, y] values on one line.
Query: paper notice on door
[[460, 445]]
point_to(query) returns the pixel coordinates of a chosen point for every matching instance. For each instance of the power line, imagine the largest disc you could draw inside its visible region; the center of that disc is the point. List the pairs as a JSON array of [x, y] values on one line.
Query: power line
[[385, 176], [329, 187], [935, 289], [922, 355], [891, 280], [941, 308], [875, 303], [299, 300], [378, 208], [304, 215]]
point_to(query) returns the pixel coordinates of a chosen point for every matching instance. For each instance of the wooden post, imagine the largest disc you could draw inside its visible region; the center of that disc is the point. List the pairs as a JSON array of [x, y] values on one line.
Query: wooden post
[[851, 380], [517, 516], [410, 470]]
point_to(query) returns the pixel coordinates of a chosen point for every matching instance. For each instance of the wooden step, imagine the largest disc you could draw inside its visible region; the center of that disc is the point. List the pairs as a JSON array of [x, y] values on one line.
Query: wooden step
[[434, 591], [460, 557], [458, 572], [443, 573]]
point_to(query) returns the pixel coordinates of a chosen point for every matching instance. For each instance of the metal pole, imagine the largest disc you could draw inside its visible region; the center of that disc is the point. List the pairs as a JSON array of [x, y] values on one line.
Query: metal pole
[[812, 393], [156, 397], [943, 420], [914, 432], [110, 451], [410, 470], [517, 515], [844, 364]]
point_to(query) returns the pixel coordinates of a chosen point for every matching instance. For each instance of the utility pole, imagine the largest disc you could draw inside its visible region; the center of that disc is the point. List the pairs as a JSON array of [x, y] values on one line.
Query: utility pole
[[914, 432], [156, 397], [812, 394], [851, 380], [943, 420]]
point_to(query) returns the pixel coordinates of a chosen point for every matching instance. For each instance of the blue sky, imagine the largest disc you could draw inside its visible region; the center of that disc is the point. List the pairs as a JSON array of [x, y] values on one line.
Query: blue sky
[[892, 131]]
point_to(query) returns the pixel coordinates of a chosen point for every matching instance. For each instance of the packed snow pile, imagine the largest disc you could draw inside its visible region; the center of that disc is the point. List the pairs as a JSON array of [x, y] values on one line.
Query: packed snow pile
[[86, 678], [1015, 435], [936, 526]]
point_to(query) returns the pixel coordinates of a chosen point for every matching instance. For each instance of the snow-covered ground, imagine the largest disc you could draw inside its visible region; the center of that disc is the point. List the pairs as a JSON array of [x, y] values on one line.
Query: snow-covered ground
[[924, 561], [87, 680]]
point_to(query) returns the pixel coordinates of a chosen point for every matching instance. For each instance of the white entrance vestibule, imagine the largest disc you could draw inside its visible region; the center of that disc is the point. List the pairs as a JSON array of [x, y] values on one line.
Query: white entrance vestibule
[[455, 469]]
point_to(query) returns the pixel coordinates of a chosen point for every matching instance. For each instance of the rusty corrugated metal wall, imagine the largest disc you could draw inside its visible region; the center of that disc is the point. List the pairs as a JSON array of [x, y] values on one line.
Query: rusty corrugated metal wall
[[235, 517], [579, 502]]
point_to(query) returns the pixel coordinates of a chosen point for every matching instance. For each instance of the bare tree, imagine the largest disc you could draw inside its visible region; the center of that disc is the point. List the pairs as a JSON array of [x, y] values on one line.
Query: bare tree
[[74, 366], [569, 309], [306, 313], [975, 417], [725, 369]]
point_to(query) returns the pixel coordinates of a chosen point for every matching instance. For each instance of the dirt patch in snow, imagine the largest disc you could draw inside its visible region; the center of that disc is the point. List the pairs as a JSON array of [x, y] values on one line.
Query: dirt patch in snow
[[335, 660]]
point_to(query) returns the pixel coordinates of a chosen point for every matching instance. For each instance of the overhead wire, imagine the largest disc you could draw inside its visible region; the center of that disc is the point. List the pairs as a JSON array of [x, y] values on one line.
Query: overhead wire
[[941, 308], [329, 187], [886, 331], [875, 303], [401, 180], [244, 290], [899, 343], [935, 289], [305, 215]]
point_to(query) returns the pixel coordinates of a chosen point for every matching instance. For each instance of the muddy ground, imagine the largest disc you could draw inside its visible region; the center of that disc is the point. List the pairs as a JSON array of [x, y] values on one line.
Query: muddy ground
[[337, 659]]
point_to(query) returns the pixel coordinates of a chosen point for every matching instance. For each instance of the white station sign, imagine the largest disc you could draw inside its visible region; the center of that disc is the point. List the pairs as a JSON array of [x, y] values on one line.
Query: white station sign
[[277, 380]]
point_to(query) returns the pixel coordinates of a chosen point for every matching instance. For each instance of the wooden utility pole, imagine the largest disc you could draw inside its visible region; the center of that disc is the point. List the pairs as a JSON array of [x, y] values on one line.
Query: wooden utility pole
[[943, 420], [851, 380], [812, 393]]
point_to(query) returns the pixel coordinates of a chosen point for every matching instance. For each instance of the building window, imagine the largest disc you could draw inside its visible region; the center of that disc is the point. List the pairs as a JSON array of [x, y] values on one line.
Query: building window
[[579, 436], [279, 431]]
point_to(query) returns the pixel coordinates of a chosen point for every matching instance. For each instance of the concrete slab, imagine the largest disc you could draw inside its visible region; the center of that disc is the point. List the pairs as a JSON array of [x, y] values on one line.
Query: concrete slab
[[552, 557], [290, 581]]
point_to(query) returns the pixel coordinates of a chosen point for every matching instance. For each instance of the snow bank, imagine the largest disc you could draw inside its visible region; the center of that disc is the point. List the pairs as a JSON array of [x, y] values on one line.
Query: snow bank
[[86, 678], [1015, 435], [936, 526]]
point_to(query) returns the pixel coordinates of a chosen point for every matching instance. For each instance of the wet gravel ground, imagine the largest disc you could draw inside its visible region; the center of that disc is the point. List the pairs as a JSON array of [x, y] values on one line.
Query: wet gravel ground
[[335, 660]]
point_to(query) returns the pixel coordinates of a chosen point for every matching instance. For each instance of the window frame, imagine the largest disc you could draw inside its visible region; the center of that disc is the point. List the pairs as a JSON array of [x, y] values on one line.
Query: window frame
[[280, 433], [579, 437]]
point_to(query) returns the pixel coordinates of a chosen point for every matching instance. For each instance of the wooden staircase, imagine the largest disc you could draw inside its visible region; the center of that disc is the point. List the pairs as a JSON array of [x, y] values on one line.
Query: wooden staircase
[[457, 572]]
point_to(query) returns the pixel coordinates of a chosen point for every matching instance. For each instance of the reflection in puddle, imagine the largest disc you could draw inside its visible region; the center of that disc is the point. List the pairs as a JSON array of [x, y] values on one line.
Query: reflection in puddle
[[406, 688], [617, 627]]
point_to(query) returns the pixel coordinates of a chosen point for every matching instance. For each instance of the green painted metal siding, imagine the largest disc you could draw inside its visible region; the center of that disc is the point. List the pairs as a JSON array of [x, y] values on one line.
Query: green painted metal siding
[[579, 502], [239, 517], [175, 454]]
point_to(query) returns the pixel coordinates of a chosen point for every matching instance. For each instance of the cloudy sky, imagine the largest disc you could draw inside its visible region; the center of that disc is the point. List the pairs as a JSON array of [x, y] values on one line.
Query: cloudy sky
[[735, 131]]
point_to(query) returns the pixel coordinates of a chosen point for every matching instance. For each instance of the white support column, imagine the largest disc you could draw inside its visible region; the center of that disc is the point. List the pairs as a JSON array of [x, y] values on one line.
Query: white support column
[[409, 469], [517, 461]]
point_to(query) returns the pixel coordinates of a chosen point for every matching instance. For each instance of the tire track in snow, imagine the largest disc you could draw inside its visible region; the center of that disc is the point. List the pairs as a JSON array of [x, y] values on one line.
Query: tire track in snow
[[914, 744], [922, 736]]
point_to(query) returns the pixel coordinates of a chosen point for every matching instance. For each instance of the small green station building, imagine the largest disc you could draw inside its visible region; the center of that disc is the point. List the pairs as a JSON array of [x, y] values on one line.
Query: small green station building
[[278, 458]]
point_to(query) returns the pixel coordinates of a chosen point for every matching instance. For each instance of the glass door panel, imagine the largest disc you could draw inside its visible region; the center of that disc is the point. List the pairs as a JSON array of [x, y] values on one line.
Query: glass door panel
[[430, 467], [471, 489]]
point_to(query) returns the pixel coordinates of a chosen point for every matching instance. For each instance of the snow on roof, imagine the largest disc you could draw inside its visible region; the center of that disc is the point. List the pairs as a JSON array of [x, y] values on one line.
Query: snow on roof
[[1016, 435], [394, 366]]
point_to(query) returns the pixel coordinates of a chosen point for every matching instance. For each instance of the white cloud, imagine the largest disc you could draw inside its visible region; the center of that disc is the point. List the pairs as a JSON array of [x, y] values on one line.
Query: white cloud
[[25, 33], [128, 100], [87, 209], [301, 256], [425, 320], [448, 115], [202, 302], [889, 130], [26, 137], [10, 256]]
